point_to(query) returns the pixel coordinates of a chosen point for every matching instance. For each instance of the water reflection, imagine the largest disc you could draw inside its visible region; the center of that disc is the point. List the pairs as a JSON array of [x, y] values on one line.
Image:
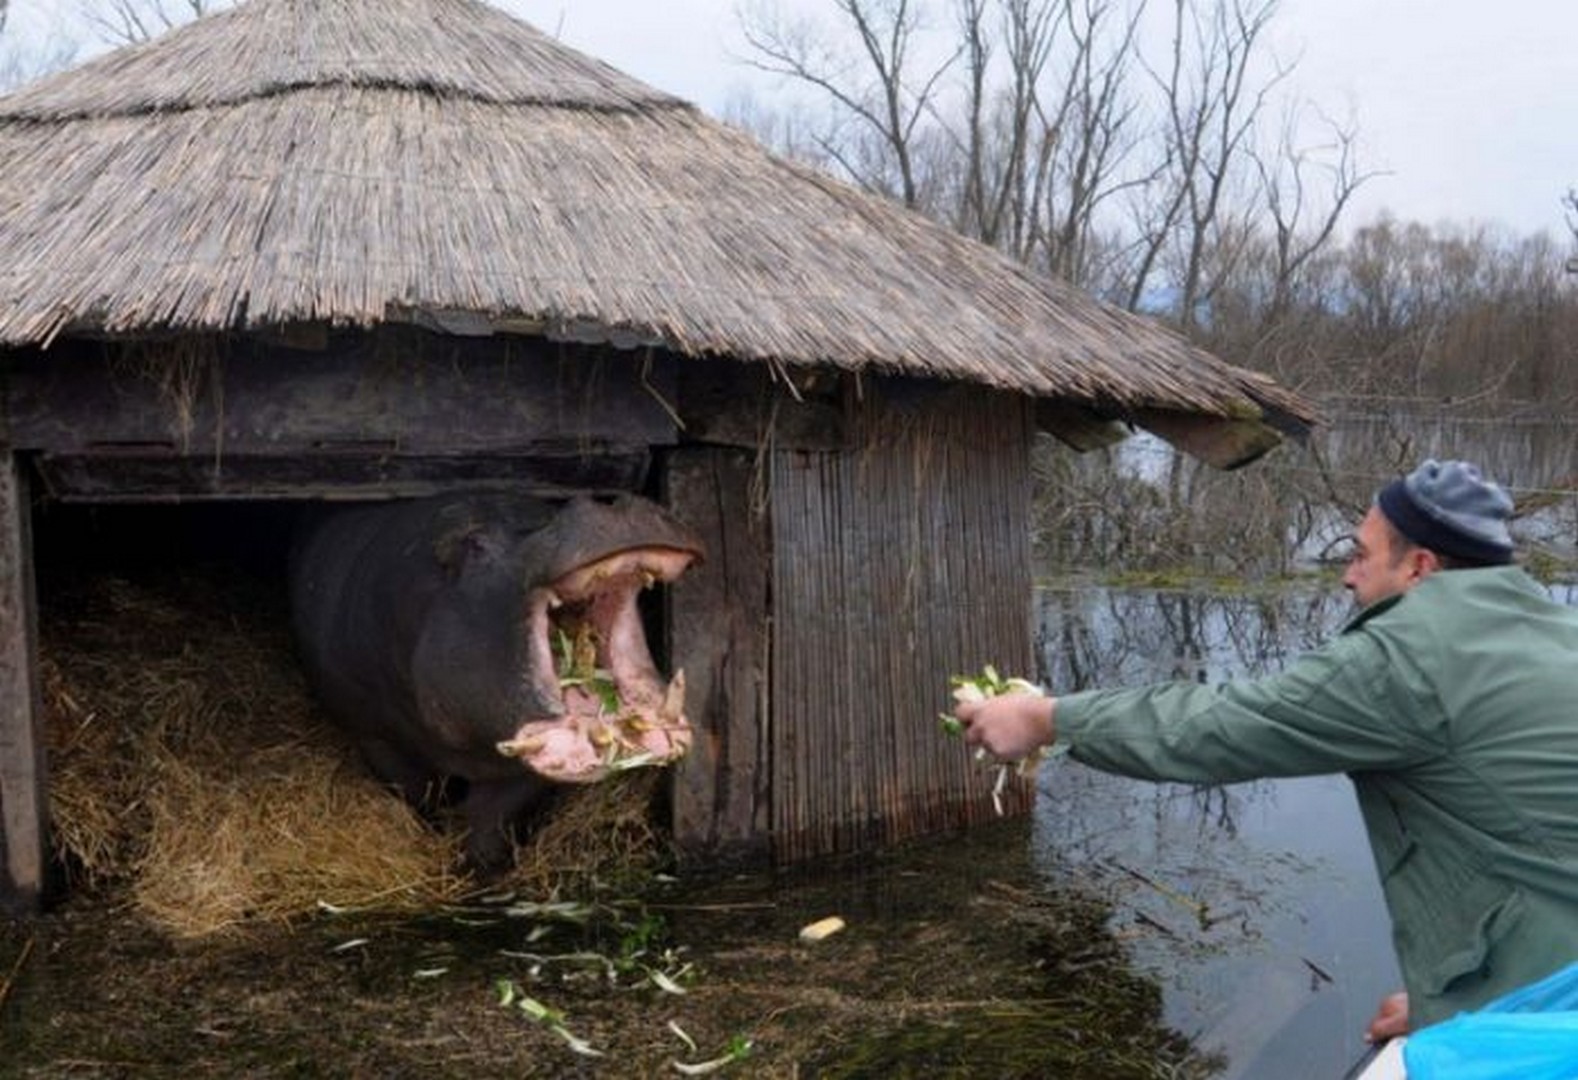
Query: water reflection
[[1143, 506], [1524, 451], [1531, 454], [1255, 904]]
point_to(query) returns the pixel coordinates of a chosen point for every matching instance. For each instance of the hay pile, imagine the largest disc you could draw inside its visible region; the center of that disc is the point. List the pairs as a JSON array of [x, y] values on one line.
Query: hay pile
[[190, 767]]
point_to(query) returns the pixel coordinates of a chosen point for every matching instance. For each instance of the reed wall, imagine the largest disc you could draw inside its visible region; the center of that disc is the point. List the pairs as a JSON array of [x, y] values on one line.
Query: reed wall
[[894, 565]]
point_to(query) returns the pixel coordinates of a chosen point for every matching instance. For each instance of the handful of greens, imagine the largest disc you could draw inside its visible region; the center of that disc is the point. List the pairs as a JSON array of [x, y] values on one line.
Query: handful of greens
[[989, 684], [576, 661]]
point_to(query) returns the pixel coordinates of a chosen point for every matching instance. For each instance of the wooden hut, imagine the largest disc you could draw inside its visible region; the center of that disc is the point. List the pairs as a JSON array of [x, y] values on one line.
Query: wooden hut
[[311, 249]]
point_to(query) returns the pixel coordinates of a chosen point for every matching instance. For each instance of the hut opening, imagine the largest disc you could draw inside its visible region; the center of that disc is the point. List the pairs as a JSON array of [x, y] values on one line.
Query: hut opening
[[192, 772]]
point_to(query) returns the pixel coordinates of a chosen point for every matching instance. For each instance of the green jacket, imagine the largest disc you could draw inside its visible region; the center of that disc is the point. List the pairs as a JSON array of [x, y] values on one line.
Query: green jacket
[[1454, 710]]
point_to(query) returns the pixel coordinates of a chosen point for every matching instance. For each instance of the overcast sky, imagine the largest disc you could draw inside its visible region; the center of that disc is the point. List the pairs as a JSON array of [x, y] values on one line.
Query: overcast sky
[[1466, 105], [1469, 106]]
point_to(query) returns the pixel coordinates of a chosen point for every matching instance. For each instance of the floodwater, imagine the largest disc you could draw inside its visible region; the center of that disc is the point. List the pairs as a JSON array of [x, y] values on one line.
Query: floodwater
[[1255, 905]]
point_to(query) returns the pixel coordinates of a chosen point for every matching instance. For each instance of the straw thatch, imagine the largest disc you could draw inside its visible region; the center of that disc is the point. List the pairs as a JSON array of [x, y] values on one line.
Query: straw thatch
[[363, 161]]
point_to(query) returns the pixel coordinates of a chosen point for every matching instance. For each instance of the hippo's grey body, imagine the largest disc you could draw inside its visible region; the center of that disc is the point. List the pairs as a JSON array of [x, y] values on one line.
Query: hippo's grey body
[[427, 628]]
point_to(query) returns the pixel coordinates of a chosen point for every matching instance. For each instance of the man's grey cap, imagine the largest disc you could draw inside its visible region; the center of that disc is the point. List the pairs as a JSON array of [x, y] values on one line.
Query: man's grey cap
[[1448, 507]]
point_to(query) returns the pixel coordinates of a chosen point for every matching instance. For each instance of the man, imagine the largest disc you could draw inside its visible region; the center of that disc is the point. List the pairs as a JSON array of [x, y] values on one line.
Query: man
[[1451, 700]]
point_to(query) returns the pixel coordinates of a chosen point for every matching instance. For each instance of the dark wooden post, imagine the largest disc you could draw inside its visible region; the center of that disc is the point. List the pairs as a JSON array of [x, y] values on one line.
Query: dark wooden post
[[22, 778], [718, 630]]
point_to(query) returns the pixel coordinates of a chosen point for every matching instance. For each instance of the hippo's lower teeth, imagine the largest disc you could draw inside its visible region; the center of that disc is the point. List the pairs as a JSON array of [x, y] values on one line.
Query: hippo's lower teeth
[[673, 708], [520, 747]]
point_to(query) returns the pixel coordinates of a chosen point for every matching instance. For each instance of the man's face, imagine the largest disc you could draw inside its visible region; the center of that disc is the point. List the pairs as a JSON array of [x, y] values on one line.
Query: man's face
[[1381, 565]]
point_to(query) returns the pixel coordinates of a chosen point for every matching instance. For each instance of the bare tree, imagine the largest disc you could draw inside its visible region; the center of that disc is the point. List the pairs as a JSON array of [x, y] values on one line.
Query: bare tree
[[1023, 130], [9, 72], [883, 88], [1087, 137], [1039, 170], [19, 62], [1285, 183], [1571, 202], [998, 163], [1210, 107], [127, 22], [1014, 131]]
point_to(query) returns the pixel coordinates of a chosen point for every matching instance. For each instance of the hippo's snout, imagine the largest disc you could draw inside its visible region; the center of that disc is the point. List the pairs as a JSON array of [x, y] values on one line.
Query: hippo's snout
[[433, 628]]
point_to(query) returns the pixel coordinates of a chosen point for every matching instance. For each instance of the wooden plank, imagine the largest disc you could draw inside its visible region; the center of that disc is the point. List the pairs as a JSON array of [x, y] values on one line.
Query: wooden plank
[[1218, 441], [416, 392], [23, 809], [717, 629], [1077, 427], [141, 474]]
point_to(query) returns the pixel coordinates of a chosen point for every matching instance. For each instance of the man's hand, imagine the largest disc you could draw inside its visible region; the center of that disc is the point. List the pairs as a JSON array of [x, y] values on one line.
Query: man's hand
[[1390, 1020], [1010, 727]]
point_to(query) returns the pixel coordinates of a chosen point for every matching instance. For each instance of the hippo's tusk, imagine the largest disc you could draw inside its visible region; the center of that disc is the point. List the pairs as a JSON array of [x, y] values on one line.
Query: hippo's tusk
[[648, 579], [673, 709], [554, 603], [520, 747]]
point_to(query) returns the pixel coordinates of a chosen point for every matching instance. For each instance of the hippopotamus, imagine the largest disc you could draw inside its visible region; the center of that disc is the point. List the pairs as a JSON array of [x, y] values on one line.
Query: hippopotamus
[[493, 639]]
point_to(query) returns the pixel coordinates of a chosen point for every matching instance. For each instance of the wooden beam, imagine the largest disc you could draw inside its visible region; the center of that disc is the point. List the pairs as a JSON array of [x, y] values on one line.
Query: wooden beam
[[23, 809], [398, 387], [1077, 427], [162, 474], [727, 403], [1222, 442]]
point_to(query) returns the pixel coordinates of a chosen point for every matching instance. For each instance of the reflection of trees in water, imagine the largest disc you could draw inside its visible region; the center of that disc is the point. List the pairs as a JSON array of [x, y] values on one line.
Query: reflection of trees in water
[[1178, 612], [1091, 636], [1214, 809], [1095, 636], [1139, 506]]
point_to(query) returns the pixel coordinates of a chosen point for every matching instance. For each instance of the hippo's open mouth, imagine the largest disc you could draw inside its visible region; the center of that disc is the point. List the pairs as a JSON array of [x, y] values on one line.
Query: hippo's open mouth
[[589, 648]]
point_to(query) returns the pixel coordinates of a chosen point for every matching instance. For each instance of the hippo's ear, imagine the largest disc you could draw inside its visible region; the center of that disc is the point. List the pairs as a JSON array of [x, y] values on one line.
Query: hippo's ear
[[463, 545]]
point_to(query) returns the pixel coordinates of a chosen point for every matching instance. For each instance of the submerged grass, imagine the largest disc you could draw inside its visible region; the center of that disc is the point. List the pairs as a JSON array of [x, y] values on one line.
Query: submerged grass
[[952, 964], [248, 902]]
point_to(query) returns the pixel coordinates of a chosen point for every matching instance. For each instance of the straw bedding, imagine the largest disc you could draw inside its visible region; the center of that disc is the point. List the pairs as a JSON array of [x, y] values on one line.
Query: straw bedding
[[191, 774]]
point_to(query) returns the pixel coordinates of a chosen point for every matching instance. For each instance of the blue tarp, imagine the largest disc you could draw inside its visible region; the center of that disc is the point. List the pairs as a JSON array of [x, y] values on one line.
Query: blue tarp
[[1529, 1034]]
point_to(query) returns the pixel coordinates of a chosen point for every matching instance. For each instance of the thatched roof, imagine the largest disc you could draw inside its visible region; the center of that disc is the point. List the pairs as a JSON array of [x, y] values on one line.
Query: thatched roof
[[364, 161]]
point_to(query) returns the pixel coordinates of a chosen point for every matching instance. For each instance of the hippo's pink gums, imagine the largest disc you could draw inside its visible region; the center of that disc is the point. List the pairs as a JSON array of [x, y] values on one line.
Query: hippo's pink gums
[[618, 713]]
